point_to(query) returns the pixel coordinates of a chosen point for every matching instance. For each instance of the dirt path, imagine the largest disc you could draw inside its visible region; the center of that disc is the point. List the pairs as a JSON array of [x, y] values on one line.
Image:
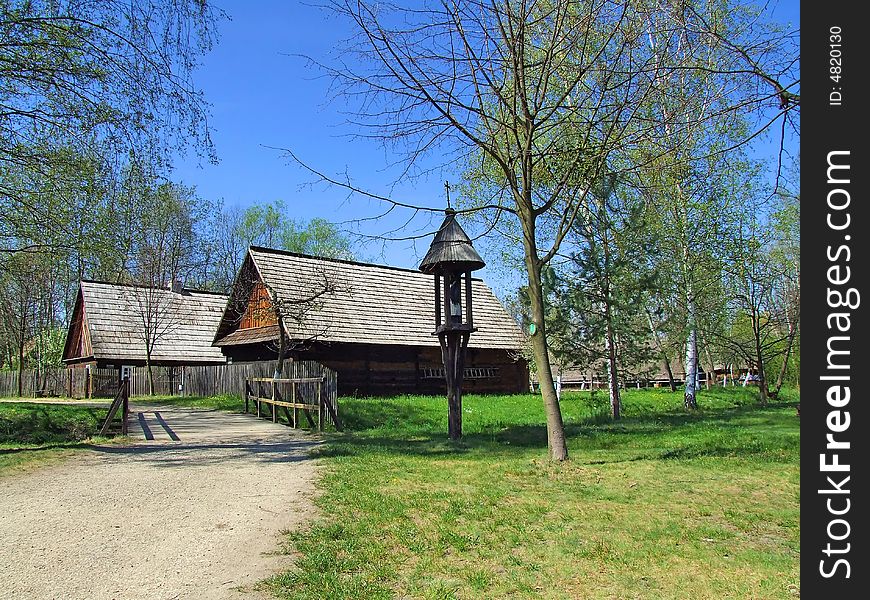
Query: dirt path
[[195, 512]]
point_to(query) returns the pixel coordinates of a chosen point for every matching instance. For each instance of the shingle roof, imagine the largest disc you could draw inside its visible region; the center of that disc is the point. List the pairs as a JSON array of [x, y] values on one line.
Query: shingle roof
[[451, 249], [375, 304], [115, 321], [249, 336]]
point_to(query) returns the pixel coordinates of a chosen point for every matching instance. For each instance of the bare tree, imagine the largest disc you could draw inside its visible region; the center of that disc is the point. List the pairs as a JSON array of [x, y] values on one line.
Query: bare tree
[[159, 313], [547, 98], [255, 303], [163, 247]]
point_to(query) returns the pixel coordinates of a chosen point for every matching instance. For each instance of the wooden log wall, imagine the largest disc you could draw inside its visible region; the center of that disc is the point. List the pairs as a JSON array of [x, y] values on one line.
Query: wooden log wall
[[371, 370]]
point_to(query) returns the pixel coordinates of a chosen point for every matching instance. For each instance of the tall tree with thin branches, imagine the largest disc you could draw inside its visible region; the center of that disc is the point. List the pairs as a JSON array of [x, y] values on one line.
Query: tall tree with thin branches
[[548, 98]]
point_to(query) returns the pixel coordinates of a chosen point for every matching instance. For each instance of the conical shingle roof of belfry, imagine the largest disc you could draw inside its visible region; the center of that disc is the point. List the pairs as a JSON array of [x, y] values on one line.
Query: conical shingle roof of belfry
[[451, 248]]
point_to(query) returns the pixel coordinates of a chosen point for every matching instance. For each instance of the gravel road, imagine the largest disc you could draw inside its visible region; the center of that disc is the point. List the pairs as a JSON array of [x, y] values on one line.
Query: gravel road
[[195, 512]]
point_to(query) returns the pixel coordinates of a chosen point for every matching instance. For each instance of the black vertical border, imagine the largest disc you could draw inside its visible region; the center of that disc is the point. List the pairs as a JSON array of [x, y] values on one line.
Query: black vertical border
[[826, 128]]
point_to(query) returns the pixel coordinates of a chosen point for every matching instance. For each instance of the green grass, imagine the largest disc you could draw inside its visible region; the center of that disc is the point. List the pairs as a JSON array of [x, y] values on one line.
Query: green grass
[[36, 434], [663, 504]]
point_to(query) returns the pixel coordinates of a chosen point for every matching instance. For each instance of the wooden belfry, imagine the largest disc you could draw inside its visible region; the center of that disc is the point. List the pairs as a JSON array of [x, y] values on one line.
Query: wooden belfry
[[452, 258]]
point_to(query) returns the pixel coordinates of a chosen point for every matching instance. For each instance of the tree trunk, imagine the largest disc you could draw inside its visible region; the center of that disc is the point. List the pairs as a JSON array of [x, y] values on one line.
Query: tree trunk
[[660, 348], [282, 350], [691, 369], [21, 365], [612, 374], [671, 382], [150, 373], [792, 333], [555, 427], [22, 336], [759, 359]]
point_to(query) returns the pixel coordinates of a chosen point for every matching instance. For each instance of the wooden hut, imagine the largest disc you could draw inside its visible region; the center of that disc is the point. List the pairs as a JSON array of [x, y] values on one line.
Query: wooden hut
[[109, 321], [373, 324]]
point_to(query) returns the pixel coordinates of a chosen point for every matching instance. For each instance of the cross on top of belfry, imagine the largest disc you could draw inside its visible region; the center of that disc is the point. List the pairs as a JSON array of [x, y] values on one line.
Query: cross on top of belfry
[[447, 189]]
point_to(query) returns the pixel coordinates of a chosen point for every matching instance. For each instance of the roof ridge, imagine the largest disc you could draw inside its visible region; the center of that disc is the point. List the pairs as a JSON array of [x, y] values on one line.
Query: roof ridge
[[344, 261], [142, 285]]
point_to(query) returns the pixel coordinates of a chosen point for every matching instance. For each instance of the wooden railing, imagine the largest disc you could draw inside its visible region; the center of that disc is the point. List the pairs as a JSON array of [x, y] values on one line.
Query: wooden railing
[[122, 401], [299, 393]]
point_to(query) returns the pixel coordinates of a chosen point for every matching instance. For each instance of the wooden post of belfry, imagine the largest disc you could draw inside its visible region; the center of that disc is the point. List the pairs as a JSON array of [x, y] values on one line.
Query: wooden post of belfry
[[453, 350], [451, 259]]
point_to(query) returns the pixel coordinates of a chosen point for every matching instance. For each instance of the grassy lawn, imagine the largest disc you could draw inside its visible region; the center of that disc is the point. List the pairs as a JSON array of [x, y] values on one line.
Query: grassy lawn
[[35, 434], [661, 505]]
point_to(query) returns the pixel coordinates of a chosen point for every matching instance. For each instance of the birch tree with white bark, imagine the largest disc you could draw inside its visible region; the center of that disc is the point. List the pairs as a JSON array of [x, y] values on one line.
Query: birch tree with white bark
[[546, 98]]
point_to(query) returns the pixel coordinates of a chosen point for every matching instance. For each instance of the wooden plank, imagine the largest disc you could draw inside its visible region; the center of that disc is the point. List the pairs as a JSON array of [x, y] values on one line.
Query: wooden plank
[[116, 403], [333, 415], [296, 380], [310, 420], [284, 403]]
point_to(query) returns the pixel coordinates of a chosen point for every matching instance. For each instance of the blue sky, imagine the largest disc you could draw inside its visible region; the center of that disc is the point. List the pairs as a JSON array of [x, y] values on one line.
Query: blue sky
[[264, 97]]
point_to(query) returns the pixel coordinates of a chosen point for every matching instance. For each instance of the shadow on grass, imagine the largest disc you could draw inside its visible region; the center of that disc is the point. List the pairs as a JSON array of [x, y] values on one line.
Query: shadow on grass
[[722, 432], [32, 424]]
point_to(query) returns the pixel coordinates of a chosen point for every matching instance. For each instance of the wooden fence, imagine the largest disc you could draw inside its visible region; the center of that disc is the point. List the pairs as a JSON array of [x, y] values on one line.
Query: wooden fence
[[66, 383], [122, 402], [306, 393], [212, 380]]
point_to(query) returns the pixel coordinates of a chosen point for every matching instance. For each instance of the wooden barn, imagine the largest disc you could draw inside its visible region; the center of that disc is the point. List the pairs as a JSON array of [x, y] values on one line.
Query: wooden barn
[[373, 324], [109, 321]]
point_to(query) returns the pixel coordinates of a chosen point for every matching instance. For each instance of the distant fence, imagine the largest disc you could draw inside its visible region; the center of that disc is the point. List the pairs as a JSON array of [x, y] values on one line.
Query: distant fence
[[596, 381], [212, 380], [69, 383], [230, 379]]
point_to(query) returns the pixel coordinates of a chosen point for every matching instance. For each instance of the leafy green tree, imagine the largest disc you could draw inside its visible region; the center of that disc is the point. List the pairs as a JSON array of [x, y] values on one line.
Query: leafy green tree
[[550, 97], [232, 230], [599, 314], [98, 82], [786, 254], [762, 295]]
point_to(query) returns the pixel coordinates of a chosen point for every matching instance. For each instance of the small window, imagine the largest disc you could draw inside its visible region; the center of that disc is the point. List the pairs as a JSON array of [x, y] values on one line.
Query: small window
[[468, 373]]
